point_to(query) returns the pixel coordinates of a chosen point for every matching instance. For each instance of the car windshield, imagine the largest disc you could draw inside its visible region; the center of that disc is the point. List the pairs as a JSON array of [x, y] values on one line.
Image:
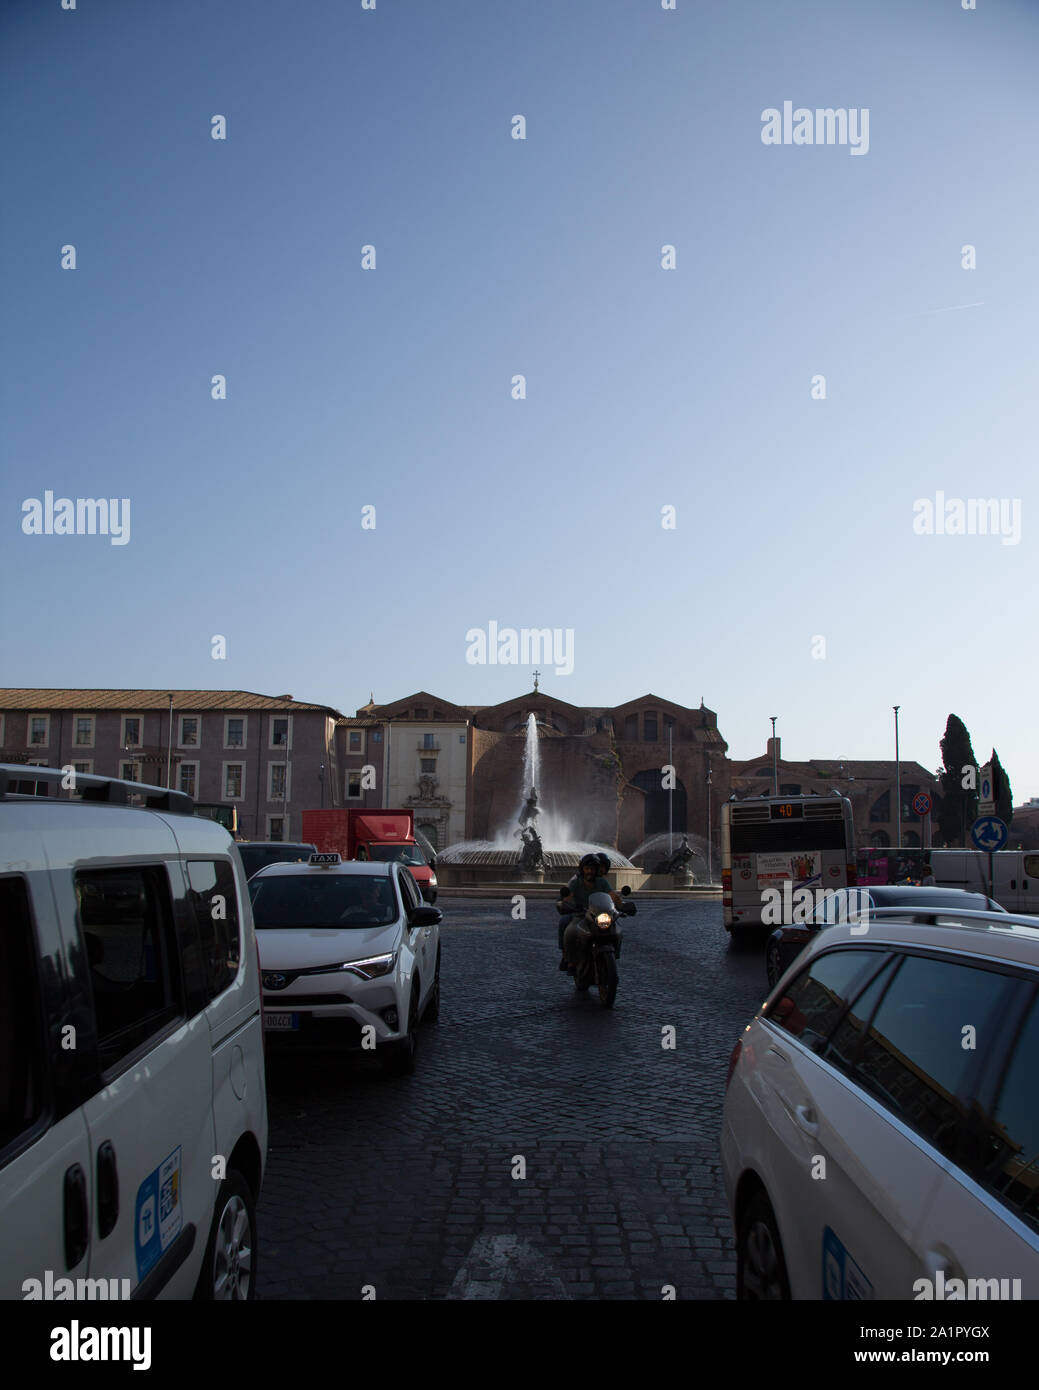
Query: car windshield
[[403, 854], [322, 900], [255, 857]]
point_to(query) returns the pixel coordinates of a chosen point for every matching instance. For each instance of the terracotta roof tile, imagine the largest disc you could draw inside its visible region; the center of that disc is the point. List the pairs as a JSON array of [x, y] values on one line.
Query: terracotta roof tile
[[31, 698]]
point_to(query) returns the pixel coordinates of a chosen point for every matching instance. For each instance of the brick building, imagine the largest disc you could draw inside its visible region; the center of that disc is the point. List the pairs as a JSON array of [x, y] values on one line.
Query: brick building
[[869, 785]]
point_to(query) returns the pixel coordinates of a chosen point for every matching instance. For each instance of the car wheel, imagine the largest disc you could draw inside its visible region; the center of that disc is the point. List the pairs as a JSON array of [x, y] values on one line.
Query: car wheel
[[229, 1269], [773, 964], [433, 1002], [398, 1058], [760, 1266]]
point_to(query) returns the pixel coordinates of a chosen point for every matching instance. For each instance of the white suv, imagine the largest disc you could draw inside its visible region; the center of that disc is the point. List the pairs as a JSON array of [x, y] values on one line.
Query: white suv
[[350, 956], [133, 1108], [880, 1136]]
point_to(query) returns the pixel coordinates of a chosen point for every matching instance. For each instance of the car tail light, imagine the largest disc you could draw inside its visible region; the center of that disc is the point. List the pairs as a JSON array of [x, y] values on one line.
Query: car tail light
[[733, 1060]]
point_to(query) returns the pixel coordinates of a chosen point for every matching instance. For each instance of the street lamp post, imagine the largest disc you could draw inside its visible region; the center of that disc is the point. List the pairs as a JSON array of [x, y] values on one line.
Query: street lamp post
[[169, 745], [670, 796], [775, 760], [710, 864], [898, 786]]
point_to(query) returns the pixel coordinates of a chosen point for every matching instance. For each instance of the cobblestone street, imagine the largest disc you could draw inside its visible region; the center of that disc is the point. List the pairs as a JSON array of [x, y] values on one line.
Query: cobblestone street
[[407, 1186]]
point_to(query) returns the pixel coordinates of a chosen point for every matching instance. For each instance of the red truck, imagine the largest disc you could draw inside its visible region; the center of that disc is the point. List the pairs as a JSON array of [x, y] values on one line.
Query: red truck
[[366, 833]]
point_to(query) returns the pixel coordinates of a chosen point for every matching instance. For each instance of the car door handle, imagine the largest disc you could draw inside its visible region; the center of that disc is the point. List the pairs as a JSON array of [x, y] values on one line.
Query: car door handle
[[939, 1262], [77, 1216], [107, 1189], [775, 1052], [807, 1118]]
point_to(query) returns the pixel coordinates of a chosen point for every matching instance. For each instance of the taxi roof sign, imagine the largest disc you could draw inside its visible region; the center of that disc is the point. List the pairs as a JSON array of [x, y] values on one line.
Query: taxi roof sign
[[325, 861]]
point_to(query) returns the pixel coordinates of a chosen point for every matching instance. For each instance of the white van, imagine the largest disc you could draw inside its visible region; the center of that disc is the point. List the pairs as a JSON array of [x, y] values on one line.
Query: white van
[[1015, 875], [133, 1110]]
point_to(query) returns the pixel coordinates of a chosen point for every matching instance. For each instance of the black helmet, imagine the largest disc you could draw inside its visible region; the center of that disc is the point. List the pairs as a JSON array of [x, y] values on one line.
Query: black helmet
[[604, 861], [592, 859]]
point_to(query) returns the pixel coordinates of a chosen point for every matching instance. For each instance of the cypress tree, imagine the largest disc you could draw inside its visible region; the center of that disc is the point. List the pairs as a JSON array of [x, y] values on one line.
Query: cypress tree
[[1001, 792], [959, 807]]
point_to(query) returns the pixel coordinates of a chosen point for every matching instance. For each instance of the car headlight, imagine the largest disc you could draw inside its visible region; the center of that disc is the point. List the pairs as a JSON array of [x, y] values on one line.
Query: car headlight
[[604, 920], [372, 966]]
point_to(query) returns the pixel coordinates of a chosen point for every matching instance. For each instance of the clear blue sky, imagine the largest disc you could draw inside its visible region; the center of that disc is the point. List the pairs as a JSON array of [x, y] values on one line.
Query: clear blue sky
[[645, 388]]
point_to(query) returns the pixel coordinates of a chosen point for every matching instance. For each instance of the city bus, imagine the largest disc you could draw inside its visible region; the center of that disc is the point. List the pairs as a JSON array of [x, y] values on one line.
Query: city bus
[[767, 841]]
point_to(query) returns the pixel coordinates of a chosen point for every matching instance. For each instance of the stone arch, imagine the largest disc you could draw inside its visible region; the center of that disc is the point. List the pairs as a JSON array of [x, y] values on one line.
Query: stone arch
[[656, 803]]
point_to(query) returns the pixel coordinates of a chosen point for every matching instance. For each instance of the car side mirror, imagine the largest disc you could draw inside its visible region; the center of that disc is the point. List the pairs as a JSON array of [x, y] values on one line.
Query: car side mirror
[[432, 861], [425, 917]]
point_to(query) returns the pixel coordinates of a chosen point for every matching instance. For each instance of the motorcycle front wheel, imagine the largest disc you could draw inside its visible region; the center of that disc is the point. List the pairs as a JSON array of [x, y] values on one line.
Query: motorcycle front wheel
[[606, 978]]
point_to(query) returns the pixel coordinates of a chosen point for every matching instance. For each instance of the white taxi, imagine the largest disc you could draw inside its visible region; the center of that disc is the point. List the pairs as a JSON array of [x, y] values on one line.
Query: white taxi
[[880, 1136], [349, 956]]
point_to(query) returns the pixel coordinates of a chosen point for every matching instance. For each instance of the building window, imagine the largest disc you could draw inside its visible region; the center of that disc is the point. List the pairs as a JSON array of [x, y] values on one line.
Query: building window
[[187, 778], [438, 714], [234, 781], [631, 728], [790, 789], [376, 735], [356, 742], [649, 728], [461, 738], [281, 732], [275, 827], [84, 735], [881, 808], [189, 731], [131, 735], [429, 741], [880, 839], [85, 768], [908, 792], [427, 764], [130, 772], [353, 785], [3, 728], [277, 781], [39, 730], [421, 713], [234, 731]]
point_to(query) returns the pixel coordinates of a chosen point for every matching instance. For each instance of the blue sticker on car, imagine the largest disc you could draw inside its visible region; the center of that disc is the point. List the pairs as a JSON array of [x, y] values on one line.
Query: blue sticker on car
[[843, 1280], [158, 1213]]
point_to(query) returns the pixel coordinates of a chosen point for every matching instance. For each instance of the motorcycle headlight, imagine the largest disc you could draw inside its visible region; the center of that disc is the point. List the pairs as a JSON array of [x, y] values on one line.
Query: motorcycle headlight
[[604, 920]]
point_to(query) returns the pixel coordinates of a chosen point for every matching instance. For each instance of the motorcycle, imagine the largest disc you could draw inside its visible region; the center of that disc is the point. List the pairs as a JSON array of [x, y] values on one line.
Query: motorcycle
[[602, 947]]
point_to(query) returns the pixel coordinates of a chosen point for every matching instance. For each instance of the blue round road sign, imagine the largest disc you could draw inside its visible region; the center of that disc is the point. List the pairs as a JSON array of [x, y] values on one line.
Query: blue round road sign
[[921, 803], [989, 832]]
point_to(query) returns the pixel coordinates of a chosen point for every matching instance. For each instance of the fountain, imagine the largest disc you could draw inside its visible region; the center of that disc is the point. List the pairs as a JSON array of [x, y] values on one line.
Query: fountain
[[686, 860], [548, 845]]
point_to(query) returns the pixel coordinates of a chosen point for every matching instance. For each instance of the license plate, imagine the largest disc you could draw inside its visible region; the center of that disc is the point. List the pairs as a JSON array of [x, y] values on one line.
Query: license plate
[[281, 1023]]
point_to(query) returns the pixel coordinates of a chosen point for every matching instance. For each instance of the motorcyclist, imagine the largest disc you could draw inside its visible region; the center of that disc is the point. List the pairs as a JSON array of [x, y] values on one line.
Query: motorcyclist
[[573, 904]]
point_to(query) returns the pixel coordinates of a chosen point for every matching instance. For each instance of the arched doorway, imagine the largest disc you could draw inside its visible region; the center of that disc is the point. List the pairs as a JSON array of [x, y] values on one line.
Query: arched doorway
[[655, 813]]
